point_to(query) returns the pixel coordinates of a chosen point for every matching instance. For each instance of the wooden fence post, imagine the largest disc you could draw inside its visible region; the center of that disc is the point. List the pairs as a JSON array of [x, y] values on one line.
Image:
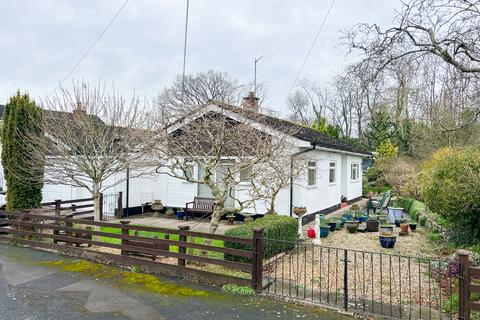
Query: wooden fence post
[[464, 284], [125, 231], [257, 262], [120, 205], [58, 206], [182, 249], [68, 224], [100, 206]]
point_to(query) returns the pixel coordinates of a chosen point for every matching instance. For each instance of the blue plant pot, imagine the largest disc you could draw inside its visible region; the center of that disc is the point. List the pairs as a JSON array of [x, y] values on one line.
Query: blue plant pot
[[362, 219], [348, 217], [387, 242], [332, 225], [324, 231], [180, 215]]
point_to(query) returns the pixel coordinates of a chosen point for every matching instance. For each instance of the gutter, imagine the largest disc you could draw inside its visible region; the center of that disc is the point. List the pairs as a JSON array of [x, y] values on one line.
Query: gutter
[[291, 171]]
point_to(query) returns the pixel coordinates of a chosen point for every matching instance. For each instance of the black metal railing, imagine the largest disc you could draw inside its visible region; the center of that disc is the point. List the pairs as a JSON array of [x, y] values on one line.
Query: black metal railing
[[393, 286]]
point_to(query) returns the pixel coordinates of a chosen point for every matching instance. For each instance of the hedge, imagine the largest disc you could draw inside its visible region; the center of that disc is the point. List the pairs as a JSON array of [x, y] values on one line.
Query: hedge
[[413, 207], [276, 227]]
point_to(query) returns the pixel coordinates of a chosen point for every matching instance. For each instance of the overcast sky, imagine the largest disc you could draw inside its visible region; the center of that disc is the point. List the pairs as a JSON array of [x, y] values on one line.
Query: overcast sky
[[40, 41]]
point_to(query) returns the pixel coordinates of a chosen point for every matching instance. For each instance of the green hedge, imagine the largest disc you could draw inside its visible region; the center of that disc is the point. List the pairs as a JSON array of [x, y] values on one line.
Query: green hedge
[[276, 227], [413, 207]]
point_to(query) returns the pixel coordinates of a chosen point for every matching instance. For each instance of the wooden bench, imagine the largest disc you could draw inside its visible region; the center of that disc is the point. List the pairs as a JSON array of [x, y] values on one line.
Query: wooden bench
[[200, 206]]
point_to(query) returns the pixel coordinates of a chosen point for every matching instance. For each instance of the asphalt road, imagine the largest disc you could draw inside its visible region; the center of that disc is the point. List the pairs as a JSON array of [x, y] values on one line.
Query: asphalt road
[[33, 286]]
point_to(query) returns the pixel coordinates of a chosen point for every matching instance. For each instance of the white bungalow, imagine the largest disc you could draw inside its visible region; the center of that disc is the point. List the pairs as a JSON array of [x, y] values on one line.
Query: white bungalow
[[334, 171]]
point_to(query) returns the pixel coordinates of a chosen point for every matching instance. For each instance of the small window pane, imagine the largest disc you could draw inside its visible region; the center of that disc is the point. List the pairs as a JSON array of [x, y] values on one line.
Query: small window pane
[[245, 174], [312, 173], [332, 172]]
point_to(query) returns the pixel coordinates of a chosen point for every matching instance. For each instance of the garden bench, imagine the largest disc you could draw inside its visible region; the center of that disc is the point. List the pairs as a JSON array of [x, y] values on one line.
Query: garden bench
[[199, 205], [379, 204]]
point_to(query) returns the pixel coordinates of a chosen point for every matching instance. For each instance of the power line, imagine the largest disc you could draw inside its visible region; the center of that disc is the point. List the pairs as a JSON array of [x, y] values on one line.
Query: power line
[[310, 50], [185, 48], [91, 46]]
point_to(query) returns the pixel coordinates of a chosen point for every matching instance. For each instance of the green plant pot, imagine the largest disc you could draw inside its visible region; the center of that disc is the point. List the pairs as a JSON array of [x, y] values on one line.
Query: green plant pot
[[324, 231], [352, 226]]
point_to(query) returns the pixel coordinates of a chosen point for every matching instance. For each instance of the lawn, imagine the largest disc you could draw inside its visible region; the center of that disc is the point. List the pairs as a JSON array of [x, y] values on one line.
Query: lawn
[[161, 235]]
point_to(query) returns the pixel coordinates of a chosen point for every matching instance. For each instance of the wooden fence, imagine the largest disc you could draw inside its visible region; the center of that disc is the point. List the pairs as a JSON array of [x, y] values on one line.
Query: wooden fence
[[77, 236], [466, 287], [84, 208]]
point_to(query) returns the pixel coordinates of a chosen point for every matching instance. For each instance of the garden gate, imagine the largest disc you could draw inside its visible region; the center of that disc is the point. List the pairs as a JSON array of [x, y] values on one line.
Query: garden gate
[[389, 285]]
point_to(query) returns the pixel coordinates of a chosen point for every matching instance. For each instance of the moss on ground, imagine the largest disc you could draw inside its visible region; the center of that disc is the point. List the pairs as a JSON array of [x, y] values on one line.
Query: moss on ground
[[140, 281]]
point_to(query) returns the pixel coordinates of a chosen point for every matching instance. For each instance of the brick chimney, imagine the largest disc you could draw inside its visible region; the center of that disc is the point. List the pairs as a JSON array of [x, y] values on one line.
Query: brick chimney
[[79, 111], [251, 101]]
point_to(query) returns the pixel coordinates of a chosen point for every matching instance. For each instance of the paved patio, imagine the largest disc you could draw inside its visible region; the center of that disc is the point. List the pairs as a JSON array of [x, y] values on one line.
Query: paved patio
[[150, 220]]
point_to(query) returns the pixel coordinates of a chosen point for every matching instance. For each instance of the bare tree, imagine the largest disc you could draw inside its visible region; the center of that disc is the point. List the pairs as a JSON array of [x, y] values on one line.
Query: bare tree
[[275, 175], [308, 103], [91, 135], [184, 95], [224, 149]]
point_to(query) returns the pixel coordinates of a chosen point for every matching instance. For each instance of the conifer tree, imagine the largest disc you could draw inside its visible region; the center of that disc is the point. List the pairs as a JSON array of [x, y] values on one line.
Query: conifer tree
[[21, 118]]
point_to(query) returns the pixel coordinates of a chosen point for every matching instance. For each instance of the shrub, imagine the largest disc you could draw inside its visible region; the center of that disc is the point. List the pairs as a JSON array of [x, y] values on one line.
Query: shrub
[[422, 220], [413, 207], [236, 289], [452, 192], [276, 227], [21, 120]]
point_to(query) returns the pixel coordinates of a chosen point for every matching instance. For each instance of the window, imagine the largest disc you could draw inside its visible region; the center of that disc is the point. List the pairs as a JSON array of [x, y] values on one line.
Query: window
[[332, 176], [312, 173], [246, 173], [354, 171]]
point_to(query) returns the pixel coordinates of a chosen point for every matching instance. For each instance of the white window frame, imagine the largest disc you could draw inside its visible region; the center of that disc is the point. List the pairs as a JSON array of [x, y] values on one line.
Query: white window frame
[[245, 174], [312, 167], [355, 177], [334, 167]]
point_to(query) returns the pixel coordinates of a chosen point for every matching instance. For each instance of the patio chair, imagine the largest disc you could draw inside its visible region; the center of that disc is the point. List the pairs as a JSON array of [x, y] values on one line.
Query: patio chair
[[379, 204]]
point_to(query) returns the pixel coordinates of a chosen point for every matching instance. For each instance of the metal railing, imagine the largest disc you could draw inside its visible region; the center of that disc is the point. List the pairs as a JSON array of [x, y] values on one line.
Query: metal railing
[[393, 286]]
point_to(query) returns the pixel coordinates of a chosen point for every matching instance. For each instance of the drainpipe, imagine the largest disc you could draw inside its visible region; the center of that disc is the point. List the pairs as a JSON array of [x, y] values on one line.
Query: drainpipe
[[127, 196], [291, 173]]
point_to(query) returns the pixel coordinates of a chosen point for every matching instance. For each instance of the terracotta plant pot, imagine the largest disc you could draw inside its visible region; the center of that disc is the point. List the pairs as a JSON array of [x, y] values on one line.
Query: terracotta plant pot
[[404, 227]]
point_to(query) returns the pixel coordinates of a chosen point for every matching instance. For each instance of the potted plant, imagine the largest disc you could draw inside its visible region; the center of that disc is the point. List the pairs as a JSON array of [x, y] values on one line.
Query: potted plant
[[413, 225], [355, 207], [383, 218], [348, 215], [387, 241], [156, 207], [404, 226], [169, 213], [299, 211], [324, 230], [386, 229], [372, 223], [352, 226], [230, 218], [332, 223], [180, 213], [343, 202]]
